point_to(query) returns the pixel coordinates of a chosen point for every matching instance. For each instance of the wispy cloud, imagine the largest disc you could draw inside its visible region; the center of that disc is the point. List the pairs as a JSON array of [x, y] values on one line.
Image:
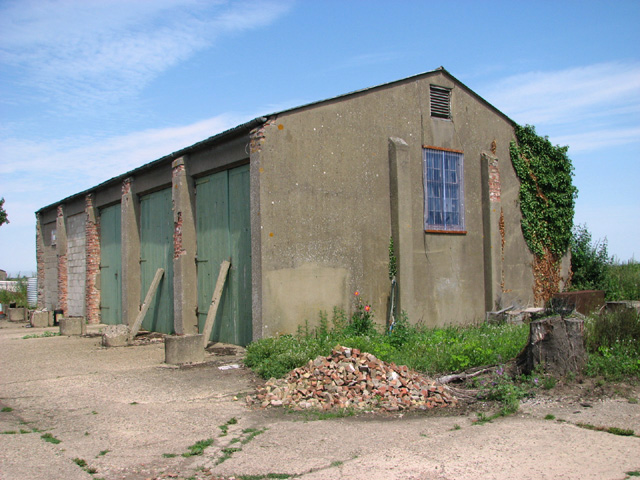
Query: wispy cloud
[[581, 105], [560, 96], [597, 139], [87, 51], [74, 164]]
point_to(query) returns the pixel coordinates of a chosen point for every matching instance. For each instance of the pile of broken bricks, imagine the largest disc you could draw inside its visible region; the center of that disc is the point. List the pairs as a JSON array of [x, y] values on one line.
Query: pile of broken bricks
[[349, 378]]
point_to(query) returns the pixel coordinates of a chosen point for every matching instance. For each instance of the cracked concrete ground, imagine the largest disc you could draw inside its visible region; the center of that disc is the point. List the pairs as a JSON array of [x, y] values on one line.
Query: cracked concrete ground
[[121, 413]]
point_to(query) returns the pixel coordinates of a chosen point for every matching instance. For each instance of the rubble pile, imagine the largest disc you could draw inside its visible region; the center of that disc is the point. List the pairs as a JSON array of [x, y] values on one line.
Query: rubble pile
[[349, 378]]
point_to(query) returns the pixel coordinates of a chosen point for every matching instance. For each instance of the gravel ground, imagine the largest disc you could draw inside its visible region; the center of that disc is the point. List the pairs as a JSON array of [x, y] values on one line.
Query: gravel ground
[[121, 413]]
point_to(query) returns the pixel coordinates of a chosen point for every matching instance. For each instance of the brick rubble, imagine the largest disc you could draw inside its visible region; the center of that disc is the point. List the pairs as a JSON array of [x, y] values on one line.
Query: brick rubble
[[349, 378]]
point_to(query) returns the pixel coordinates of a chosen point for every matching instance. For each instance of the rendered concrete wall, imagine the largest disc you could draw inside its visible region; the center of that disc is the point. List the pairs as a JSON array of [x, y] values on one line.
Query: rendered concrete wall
[[325, 210], [330, 184], [76, 264]]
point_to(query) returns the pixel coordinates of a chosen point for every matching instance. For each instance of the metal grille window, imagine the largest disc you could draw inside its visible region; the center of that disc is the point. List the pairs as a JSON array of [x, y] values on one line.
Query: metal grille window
[[444, 190], [440, 101]]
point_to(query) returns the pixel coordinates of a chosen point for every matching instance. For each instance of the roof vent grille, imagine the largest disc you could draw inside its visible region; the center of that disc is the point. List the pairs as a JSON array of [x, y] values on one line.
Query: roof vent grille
[[440, 102]]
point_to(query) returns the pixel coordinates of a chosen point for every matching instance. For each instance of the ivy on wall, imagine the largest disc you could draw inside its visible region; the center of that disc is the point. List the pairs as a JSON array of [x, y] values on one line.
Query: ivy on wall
[[547, 201]]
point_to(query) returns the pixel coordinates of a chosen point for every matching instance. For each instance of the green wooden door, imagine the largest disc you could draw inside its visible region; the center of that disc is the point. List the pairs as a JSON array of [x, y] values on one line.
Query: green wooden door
[[224, 232], [156, 251], [110, 266]]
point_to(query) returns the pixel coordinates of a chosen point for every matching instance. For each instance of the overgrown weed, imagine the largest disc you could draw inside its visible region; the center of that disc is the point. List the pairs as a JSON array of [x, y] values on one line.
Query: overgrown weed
[[613, 344], [429, 350]]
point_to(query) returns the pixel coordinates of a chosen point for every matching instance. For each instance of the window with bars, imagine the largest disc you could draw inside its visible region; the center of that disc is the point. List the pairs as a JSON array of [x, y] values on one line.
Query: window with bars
[[444, 190], [440, 101]]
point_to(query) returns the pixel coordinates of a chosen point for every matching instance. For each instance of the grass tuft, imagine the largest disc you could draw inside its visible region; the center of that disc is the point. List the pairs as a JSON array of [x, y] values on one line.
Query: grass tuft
[[47, 437], [41, 335], [198, 448]]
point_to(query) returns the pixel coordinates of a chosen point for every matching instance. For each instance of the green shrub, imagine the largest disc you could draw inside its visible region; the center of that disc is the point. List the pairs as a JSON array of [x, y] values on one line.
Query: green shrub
[[362, 319], [505, 391], [589, 260], [613, 344], [612, 329], [623, 281], [18, 297]]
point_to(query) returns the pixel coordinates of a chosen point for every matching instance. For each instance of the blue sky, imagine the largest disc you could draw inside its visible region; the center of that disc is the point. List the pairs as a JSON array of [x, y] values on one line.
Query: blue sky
[[90, 89]]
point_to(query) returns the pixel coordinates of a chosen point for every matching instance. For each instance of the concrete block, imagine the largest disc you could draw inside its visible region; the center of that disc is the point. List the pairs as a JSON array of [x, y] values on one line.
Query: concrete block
[[116, 336], [42, 319], [18, 314], [179, 349], [70, 326]]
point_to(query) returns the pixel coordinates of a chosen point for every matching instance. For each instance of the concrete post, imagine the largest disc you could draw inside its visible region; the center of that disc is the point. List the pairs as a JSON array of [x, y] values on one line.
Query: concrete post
[[40, 261], [130, 209], [185, 288], [401, 223], [493, 232], [61, 252], [255, 173]]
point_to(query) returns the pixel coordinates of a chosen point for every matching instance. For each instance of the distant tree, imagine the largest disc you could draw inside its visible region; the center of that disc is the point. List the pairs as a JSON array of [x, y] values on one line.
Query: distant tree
[[589, 260], [3, 213]]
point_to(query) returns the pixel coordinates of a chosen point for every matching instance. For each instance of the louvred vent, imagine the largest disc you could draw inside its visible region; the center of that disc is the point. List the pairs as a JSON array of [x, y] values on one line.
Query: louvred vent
[[440, 102]]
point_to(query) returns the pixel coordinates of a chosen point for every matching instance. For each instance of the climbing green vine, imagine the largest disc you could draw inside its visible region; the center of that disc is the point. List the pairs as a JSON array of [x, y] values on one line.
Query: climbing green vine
[[393, 264], [547, 194], [547, 199]]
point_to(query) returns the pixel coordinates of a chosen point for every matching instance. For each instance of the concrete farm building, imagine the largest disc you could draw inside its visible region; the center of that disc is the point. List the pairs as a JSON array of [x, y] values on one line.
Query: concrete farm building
[[304, 203]]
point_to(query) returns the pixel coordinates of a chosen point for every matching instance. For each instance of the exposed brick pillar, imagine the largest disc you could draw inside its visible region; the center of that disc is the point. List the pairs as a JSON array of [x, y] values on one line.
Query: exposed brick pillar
[[40, 261], [61, 251], [92, 236]]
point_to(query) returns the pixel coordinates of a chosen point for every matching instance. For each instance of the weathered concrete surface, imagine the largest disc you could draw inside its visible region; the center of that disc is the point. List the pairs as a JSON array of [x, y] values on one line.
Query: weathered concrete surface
[[18, 314], [42, 319], [180, 349], [72, 326], [115, 335], [121, 409]]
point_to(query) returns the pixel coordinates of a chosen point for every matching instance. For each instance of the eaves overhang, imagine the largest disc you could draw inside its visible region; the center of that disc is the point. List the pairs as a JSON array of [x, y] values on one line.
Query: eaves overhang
[[242, 129]]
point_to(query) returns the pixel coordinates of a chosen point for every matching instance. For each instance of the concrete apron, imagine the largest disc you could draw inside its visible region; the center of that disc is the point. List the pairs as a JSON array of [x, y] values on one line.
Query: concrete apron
[[122, 409], [124, 400]]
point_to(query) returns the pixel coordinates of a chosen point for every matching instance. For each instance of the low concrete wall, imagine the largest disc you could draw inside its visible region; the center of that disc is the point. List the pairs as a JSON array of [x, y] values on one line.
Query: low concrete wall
[[42, 319], [116, 336], [18, 314], [181, 349], [71, 326]]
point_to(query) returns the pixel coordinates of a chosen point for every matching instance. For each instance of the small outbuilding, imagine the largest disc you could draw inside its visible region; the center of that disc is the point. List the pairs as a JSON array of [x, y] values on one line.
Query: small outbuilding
[[309, 204]]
